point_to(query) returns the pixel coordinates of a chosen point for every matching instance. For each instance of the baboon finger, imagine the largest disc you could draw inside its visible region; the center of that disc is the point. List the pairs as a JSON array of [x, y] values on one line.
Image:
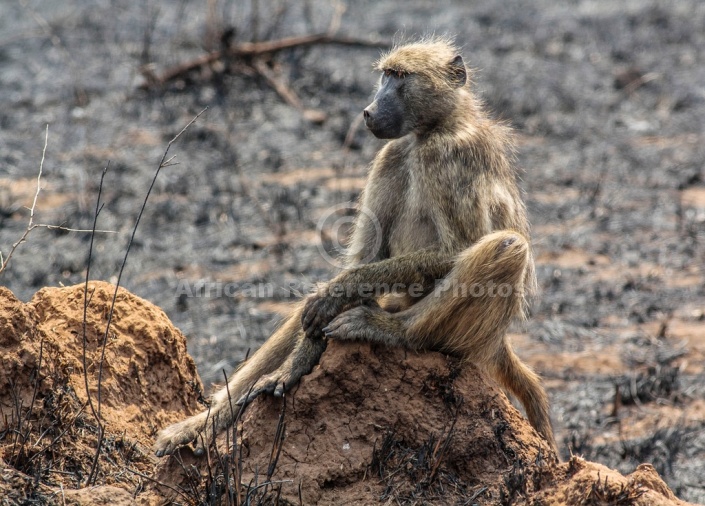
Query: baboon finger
[[340, 327]]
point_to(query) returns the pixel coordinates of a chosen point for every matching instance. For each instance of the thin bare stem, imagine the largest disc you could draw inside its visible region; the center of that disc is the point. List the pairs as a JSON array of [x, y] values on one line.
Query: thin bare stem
[[81, 230], [96, 414], [162, 163], [158, 483]]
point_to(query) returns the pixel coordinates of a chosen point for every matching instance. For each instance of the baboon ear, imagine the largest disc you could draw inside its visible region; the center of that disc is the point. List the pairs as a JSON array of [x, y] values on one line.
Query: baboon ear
[[458, 74]]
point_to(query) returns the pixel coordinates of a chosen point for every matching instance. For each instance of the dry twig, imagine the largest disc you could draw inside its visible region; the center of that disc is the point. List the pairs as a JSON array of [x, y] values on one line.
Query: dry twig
[[31, 225]]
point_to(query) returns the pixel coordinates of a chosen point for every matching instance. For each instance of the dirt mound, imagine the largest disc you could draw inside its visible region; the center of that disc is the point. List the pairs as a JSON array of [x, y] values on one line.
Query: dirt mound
[[50, 431], [369, 425], [373, 424], [392, 424]]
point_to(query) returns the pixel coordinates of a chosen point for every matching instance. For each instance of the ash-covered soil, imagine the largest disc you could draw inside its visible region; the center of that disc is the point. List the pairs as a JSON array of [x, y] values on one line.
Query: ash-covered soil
[[607, 102]]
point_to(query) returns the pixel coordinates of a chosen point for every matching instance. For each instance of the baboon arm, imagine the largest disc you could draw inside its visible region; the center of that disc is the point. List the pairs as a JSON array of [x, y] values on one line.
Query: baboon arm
[[367, 242], [299, 363], [416, 272], [422, 267]]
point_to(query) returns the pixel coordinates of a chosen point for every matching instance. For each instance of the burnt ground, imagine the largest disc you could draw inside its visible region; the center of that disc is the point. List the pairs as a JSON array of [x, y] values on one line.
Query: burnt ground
[[607, 103]]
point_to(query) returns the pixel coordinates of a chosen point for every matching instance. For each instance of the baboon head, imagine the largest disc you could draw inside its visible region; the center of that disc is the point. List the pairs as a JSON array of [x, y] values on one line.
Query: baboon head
[[417, 90]]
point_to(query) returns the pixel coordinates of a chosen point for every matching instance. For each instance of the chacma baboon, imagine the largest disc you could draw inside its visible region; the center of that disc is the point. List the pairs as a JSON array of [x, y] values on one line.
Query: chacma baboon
[[443, 195]]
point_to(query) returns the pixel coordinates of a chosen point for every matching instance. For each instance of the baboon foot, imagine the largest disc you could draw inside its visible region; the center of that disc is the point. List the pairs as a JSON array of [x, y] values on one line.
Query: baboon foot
[[367, 323], [179, 434], [350, 325], [277, 383]]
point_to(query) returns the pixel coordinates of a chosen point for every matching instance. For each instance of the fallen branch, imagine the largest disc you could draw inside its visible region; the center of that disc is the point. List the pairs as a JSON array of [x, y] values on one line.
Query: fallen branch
[[313, 115], [250, 50]]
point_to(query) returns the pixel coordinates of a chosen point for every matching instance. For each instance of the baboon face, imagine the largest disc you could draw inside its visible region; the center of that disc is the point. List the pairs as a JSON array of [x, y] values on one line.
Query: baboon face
[[386, 116], [415, 92]]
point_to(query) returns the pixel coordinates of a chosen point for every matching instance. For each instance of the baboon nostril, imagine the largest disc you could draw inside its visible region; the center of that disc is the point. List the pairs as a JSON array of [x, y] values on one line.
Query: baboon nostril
[[366, 114]]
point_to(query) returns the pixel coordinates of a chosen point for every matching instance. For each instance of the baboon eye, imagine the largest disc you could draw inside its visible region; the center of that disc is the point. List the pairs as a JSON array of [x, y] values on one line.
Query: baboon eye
[[400, 74]]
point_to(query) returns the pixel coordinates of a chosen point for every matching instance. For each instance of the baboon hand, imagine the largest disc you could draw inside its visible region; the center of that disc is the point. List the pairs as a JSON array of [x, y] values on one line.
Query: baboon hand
[[318, 311], [298, 364]]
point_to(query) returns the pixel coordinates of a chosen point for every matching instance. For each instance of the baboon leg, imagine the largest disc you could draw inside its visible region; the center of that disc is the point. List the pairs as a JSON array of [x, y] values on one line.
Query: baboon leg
[[269, 358], [525, 384]]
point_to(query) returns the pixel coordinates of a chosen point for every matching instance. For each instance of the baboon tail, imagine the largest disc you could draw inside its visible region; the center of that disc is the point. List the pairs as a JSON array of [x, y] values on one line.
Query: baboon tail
[[525, 384]]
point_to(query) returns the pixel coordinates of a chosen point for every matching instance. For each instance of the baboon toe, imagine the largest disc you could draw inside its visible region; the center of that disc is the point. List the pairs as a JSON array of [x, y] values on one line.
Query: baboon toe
[[199, 446], [166, 446], [280, 381]]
